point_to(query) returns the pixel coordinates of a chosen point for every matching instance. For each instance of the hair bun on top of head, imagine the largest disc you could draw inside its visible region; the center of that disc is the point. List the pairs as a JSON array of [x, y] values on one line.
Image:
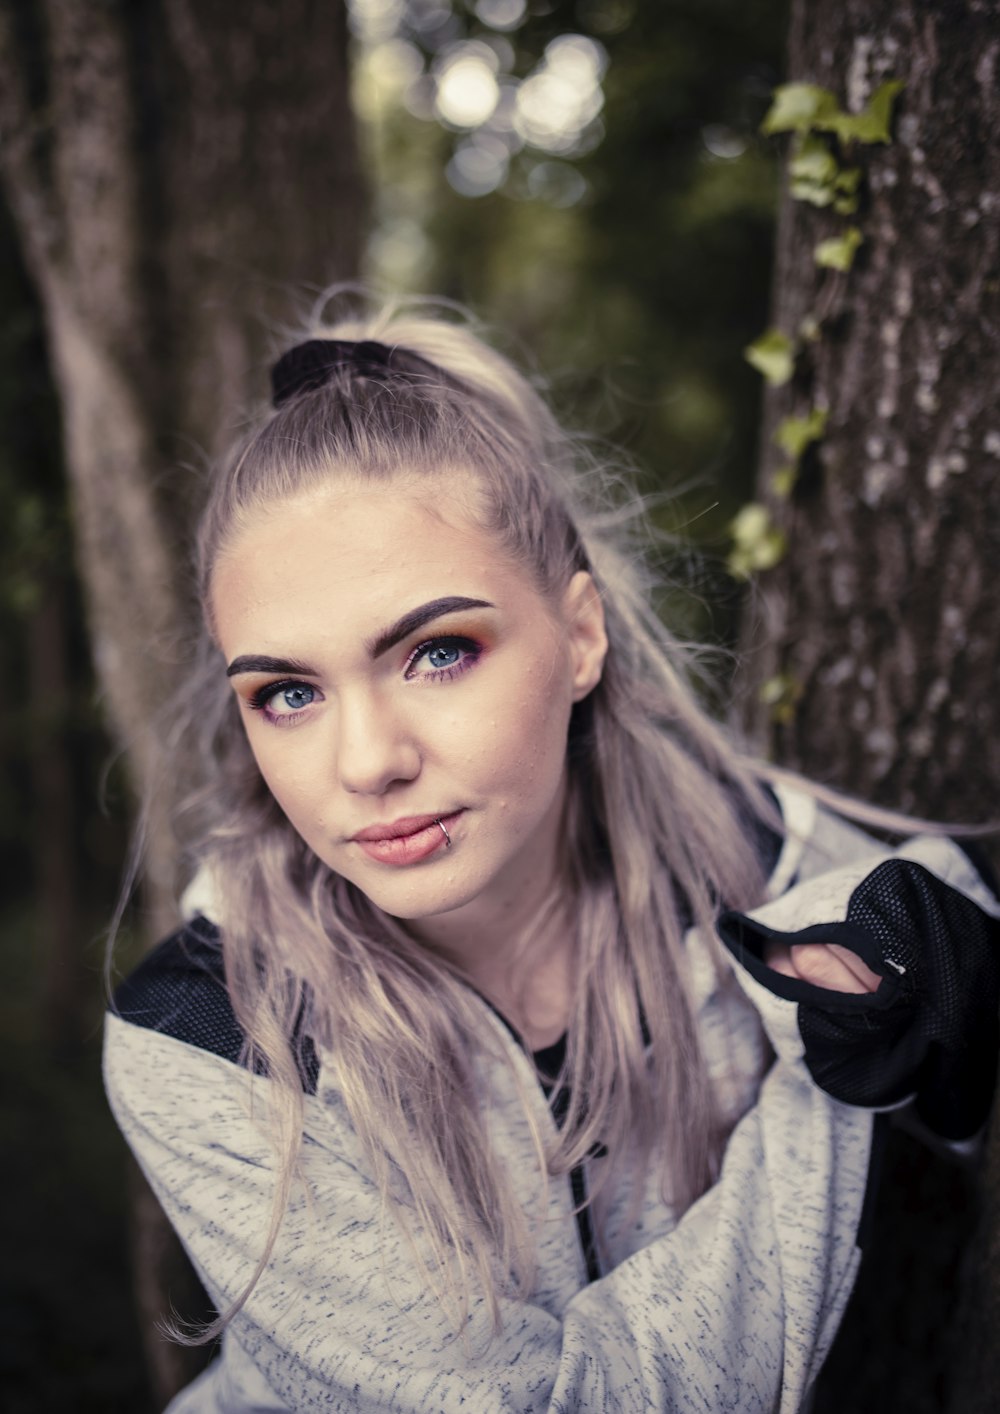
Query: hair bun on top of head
[[309, 365]]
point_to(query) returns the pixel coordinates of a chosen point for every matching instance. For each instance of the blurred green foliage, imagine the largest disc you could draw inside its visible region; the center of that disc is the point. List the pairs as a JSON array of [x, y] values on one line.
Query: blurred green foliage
[[634, 263]]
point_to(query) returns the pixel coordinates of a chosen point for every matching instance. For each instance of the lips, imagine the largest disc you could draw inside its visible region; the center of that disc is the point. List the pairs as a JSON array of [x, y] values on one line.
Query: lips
[[399, 829], [406, 841]]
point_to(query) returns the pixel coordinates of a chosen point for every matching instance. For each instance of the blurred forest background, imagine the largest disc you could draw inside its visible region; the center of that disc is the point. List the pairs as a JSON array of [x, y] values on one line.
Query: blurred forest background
[[591, 177]]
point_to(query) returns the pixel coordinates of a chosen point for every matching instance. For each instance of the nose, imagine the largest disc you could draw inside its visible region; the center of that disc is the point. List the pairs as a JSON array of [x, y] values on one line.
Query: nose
[[375, 748]]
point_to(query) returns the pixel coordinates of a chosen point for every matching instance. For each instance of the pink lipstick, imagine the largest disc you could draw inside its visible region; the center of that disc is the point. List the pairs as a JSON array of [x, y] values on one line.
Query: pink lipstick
[[408, 840]]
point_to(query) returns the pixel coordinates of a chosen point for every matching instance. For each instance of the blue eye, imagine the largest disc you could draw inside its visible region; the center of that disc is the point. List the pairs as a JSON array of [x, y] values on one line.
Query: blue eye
[[439, 659], [294, 698], [284, 700], [443, 655]]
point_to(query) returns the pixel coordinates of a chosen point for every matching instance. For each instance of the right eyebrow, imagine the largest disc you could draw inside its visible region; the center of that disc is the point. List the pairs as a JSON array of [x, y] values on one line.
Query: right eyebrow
[[253, 663], [421, 616]]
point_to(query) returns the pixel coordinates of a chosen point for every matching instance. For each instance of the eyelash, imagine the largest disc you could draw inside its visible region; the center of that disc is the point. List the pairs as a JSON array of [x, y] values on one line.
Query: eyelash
[[469, 647], [259, 700]]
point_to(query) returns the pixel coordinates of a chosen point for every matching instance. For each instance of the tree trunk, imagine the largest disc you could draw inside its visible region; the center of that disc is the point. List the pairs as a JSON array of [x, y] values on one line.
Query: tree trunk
[[179, 173], [879, 627]]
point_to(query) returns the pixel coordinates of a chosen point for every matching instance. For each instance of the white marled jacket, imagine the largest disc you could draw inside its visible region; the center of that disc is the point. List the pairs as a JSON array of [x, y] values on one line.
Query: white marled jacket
[[730, 1306]]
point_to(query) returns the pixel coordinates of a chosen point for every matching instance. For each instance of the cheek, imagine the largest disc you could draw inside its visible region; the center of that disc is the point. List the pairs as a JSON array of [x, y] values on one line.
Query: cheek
[[293, 785], [524, 752]]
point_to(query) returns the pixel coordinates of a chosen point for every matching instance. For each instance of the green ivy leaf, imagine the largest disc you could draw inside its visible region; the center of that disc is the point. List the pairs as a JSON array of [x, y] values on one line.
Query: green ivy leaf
[[797, 107], [757, 543], [781, 693], [795, 434], [750, 523], [838, 253], [773, 355], [814, 162], [816, 194], [784, 479], [813, 172], [845, 201], [873, 123]]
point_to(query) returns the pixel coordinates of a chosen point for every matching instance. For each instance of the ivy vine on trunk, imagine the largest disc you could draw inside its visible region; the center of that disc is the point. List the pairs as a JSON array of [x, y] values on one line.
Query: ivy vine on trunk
[[872, 651]]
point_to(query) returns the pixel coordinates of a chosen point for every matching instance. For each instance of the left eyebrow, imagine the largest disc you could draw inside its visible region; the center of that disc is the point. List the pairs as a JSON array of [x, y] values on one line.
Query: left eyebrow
[[417, 618], [257, 663]]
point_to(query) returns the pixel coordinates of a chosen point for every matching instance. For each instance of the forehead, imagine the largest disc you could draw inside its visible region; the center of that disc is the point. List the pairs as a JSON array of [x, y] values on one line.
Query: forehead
[[354, 557]]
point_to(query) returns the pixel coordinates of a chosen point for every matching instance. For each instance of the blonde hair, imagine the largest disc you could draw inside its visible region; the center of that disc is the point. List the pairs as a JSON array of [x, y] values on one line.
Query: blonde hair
[[660, 830]]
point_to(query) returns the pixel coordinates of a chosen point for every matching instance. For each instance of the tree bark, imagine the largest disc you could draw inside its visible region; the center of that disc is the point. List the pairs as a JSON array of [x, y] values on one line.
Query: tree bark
[[882, 612], [180, 174], [881, 619]]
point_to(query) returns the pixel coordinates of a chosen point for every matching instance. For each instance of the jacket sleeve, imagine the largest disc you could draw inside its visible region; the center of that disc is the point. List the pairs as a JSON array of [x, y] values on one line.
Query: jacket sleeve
[[926, 920]]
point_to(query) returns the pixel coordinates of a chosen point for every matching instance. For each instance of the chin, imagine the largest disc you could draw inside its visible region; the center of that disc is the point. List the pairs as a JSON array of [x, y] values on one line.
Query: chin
[[419, 905], [414, 899]]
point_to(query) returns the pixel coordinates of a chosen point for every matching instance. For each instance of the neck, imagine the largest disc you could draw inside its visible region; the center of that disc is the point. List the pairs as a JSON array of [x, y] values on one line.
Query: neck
[[516, 946]]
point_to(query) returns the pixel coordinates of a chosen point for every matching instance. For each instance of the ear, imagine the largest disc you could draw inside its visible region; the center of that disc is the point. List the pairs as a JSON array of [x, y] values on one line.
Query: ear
[[583, 615]]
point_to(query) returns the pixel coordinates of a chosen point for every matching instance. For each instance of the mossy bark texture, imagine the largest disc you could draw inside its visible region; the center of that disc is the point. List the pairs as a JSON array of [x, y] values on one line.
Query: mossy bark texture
[[884, 612], [881, 625]]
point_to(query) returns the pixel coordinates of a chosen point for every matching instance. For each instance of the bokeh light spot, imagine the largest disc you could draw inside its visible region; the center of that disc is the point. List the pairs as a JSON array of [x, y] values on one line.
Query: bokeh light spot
[[479, 165], [557, 183], [467, 87], [501, 14], [724, 142], [562, 97], [375, 20]]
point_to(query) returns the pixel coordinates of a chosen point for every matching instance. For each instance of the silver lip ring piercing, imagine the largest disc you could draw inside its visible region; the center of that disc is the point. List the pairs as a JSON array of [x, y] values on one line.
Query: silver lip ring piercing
[[447, 837]]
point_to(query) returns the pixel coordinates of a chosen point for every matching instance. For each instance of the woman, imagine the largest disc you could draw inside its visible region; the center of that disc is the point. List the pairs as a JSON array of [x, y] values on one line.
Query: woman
[[486, 1072]]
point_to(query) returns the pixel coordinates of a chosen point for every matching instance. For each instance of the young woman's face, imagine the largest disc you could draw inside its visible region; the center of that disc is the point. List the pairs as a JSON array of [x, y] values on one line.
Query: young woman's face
[[395, 668]]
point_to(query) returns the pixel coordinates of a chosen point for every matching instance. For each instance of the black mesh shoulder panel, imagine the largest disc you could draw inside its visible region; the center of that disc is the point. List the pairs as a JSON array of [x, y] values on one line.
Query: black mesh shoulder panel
[[179, 990]]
